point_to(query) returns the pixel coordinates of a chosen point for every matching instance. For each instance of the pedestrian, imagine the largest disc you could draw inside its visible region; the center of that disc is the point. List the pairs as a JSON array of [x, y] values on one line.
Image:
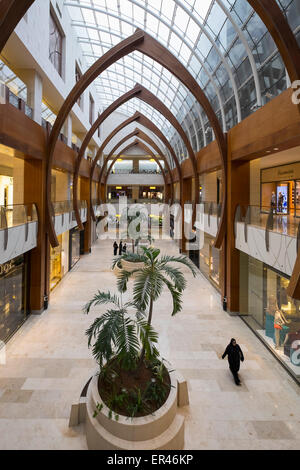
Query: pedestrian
[[124, 248], [120, 247], [115, 245], [235, 355], [280, 201], [273, 202]]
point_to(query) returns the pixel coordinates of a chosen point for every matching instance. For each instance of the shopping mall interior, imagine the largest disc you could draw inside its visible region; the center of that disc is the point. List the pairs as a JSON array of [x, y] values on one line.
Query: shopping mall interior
[[185, 104]]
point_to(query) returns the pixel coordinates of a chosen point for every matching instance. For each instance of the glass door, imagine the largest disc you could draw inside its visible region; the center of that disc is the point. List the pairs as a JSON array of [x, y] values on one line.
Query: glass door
[[297, 199], [13, 290]]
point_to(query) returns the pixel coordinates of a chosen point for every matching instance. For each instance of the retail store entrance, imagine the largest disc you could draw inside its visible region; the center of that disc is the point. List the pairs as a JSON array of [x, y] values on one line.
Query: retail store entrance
[[13, 296], [280, 189]]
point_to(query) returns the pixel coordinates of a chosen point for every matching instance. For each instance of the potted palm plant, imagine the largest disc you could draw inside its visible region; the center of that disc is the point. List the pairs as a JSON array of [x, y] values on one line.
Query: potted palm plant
[[133, 398]]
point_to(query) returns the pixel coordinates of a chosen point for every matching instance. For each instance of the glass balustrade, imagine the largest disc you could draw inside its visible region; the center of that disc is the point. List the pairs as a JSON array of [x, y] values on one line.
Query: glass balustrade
[[17, 214], [265, 217]]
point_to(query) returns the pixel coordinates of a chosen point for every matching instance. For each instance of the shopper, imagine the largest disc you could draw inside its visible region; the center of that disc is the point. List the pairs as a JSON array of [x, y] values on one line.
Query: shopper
[[273, 202], [235, 355], [280, 201], [120, 247], [124, 248], [115, 245]]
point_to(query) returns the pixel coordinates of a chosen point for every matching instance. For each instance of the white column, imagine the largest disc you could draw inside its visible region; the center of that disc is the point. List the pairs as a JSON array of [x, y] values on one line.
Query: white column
[[34, 84], [68, 130]]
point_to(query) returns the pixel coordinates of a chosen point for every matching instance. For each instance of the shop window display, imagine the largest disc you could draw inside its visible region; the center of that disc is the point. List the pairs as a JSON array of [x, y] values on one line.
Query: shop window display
[[59, 260], [74, 247], [271, 312], [13, 296], [209, 257]]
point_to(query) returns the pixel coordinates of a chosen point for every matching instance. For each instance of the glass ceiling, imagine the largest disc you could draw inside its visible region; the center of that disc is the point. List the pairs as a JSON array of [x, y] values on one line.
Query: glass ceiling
[[223, 44]]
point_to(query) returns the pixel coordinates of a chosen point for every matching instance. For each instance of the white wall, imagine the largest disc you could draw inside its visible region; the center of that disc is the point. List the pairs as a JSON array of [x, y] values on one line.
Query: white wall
[[28, 48], [140, 179]]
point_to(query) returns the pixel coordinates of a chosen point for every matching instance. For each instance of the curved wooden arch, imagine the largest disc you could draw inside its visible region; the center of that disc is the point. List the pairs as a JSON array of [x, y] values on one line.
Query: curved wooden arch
[[147, 123], [272, 16], [11, 13], [143, 147], [153, 101], [138, 133], [148, 45], [137, 92], [112, 152]]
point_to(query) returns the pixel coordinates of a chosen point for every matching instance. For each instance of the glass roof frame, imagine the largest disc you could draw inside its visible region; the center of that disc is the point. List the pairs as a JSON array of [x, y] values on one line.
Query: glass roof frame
[[117, 16], [223, 43], [126, 66]]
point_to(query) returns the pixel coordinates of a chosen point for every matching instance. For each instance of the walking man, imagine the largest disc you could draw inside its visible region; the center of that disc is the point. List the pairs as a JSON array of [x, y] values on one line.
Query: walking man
[[235, 355]]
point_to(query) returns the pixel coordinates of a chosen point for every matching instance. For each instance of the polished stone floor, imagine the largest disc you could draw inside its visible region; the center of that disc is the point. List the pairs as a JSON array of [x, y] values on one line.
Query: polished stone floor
[[48, 362]]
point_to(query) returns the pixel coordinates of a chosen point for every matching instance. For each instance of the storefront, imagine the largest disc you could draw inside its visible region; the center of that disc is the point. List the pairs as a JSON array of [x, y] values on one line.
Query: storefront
[[280, 189], [151, 192], [114, 192], [210, 261], [269, 311], [74, 247], [13, 296], [59, 260]]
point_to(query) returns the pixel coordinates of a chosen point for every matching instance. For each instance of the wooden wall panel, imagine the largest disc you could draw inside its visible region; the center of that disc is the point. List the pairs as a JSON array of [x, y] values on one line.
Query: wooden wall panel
[[275, 125]]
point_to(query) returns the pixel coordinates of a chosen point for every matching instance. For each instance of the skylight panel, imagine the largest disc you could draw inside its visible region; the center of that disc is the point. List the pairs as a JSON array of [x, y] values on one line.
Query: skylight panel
[[202, 7], [102, 20], [181, 19], [114, 24], [163, 32], [152, 23], [112, 5], [167, 8], [88, 16], [138, 15]]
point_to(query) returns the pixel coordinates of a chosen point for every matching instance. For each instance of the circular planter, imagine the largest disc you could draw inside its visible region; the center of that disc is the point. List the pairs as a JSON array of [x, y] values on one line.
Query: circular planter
[[130, 266], [117, 270], [162, 430]]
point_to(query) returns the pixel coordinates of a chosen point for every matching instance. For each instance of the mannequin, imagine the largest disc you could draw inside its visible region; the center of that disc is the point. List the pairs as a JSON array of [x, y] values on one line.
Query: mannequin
[[279, 322]]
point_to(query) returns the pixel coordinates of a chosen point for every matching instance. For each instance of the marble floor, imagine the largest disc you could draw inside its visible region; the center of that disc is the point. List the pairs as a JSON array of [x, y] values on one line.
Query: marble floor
[[48, 362]]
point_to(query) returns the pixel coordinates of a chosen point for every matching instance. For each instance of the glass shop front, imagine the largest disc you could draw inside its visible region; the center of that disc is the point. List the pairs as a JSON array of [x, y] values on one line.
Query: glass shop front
[[59, 260], [13, 296], [74, 247], [269, 311], [280, 189], [210, 261]]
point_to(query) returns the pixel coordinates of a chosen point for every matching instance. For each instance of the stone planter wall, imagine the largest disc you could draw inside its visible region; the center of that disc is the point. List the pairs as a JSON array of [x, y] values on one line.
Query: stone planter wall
[[162, 430]]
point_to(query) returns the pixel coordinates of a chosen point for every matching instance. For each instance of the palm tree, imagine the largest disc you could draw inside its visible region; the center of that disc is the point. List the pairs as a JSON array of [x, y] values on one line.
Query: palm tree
[[157, 273], [117, 332]]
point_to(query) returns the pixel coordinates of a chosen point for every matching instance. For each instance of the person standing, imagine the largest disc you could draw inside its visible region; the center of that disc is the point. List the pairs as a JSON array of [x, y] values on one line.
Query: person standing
[[115, 245], [124, 248], [280, 201], [273, 202], [120, 247], [235, 355]]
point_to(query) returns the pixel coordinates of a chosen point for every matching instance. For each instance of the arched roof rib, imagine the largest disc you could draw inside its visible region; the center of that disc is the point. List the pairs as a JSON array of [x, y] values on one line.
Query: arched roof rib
[[223, 43]]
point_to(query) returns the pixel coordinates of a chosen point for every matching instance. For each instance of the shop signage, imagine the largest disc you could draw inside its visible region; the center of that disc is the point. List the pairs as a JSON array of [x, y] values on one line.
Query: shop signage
[[6, 267], [281, 173]]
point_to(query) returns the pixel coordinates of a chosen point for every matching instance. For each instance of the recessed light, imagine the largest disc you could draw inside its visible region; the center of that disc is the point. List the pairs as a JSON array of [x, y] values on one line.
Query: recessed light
[[268, 151], [276, 148]]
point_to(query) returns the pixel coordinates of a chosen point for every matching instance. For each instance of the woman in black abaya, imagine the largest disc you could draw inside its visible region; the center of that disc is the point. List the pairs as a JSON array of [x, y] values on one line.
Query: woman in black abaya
[[235, 355]]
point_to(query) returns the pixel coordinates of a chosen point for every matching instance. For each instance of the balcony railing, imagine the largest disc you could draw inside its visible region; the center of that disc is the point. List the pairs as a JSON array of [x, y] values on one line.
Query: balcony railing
[[136, 172], [11, 98], [267, 219], [17, 214], [62, 207]]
